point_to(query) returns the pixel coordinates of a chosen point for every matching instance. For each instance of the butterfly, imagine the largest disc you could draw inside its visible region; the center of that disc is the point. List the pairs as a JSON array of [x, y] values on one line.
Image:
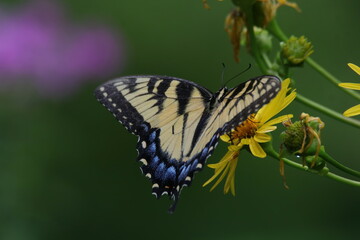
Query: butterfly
[[178, 122]]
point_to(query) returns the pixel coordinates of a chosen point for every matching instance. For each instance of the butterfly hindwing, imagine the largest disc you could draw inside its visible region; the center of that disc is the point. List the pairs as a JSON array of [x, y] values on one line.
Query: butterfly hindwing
[[178, 123]]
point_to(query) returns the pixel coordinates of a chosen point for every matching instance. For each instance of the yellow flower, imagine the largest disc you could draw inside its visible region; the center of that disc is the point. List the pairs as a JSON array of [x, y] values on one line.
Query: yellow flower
[[355, 110], [251, 132]]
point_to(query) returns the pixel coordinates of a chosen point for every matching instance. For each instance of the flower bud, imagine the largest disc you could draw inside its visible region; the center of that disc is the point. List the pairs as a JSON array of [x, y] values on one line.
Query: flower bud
[[264, 39], [293, 136], [295, 50], [303, 139]]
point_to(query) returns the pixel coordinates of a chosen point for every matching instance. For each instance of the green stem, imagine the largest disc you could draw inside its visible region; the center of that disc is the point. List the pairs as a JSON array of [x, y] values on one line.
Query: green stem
[[342, 179], [338, 165], [331, 78], [325, 171], [327, 111], [275, 29], [253, 41]]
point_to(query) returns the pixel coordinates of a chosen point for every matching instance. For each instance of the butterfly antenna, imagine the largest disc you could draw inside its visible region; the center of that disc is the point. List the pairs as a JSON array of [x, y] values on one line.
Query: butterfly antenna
[[238, 74], [222, 74]]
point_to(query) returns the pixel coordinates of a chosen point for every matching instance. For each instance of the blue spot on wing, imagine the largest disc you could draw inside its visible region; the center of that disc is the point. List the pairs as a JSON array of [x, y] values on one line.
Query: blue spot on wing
[[154, 162], [194, 164], [160, 171], [204, 153], [151, 149], [170, 175], [152, 136], [184, 171]]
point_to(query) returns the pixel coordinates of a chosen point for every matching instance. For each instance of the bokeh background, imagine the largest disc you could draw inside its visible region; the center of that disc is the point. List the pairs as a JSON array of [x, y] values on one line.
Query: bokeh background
[[67, 168]]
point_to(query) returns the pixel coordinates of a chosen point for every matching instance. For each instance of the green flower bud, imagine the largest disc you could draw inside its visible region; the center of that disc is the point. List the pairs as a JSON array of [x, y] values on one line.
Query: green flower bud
[[293, 137], [295, 50], [264, 39], [303, 139]]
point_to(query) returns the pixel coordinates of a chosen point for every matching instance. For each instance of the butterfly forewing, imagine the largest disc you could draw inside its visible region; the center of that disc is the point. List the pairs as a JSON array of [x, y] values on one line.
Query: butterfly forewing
[[247, 98], [179, 122]]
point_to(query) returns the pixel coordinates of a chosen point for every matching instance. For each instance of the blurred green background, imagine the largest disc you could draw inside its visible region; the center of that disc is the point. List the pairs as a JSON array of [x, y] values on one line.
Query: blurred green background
[[68, 169]]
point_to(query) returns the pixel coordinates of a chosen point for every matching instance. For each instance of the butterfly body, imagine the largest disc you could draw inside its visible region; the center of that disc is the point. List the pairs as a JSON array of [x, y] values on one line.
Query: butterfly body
[[178, 122]]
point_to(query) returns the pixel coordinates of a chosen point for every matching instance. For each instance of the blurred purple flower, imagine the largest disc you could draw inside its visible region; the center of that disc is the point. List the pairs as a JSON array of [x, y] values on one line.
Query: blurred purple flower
[[38, 43]]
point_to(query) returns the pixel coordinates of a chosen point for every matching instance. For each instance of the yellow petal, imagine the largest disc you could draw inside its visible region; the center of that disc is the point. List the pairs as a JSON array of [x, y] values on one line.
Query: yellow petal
[[225, 138], [245, 141], [288, 99], [276, 121], [224, 173], [262, 137], [256, 149], [216, 174], [277, 104], [355, 86], [217, 165], [221, 167], [355, 110], [235, 148], [230, 179], [266, 129], [354, 67]]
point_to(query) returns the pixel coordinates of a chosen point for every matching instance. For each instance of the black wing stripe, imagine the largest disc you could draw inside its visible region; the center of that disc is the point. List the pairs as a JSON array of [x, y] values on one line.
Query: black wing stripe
[[184, 92]]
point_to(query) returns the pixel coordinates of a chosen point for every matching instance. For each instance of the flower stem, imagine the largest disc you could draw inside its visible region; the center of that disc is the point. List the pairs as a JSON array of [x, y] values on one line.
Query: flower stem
[[327, 111], [253, 41], [325, 171], [342, 179], [275, 29], [331, 78], [338, 165]]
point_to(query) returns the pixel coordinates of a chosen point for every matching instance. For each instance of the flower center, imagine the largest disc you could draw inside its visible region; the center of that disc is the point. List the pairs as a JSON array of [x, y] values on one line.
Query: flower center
[[246, 129]]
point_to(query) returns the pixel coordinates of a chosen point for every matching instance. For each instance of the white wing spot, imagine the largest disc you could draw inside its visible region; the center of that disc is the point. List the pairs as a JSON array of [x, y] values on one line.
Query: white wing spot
[[114, 105], [164, 193], [119, 110], [271, 94], [264, 100], [199, 165], [277, 89], [188, 178], [102, 89], [178, 188], [109, 99], [143, 144], [148, 175], [155, 185], [105, 94], [273, 84], [143, 161]]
